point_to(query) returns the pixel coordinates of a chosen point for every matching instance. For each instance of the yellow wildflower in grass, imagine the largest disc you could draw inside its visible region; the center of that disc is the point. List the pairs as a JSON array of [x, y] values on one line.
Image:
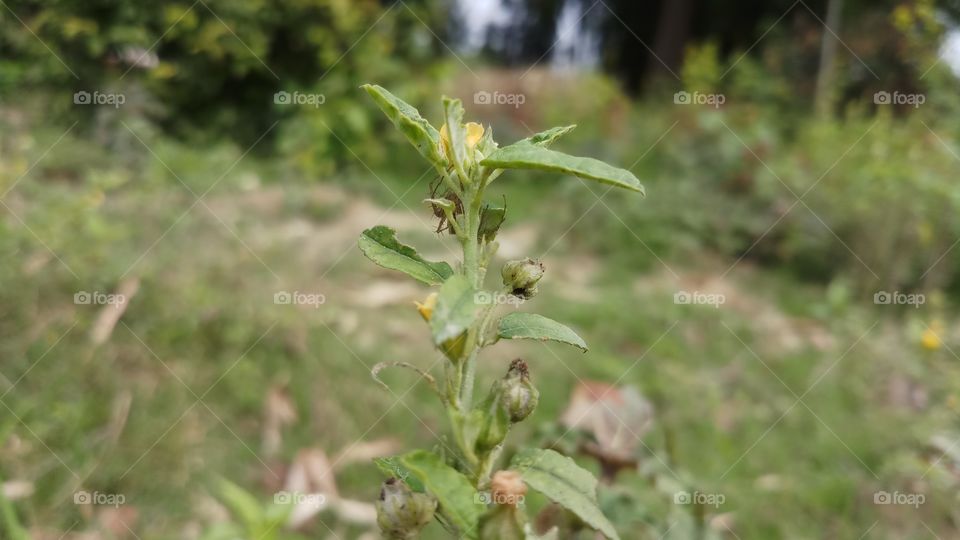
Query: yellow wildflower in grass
[[930, 339], [426, 308]]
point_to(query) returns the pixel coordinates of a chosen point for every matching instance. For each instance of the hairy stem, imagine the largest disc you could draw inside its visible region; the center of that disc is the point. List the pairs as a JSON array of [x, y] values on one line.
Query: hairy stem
[[471, 260], [469, 372]]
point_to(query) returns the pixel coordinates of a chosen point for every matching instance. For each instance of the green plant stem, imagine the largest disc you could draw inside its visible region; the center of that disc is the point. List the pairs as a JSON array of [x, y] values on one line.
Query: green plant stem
[[451, 385], [464, 376], [452, 220], [469, 372], [471, 261], [471, 267], [485, 468]]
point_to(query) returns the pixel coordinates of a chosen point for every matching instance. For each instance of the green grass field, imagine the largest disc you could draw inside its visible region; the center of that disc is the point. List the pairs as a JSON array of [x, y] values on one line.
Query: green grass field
[[797, 402]]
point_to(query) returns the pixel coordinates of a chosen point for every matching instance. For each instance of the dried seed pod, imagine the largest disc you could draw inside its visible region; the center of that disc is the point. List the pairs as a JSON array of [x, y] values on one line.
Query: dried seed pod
[[401, 513], [521, 276]]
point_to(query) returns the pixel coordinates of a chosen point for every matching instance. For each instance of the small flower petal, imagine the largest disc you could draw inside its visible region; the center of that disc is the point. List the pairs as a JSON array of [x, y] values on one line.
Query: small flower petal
[[426, 308], [474, 134]]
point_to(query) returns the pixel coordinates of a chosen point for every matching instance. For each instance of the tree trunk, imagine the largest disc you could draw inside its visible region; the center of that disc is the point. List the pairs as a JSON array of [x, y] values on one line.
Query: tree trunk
[[826, 90], [673, 29]]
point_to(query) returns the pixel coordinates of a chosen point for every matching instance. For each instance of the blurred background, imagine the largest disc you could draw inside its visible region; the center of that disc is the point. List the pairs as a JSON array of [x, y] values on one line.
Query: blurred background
[[187, 327]]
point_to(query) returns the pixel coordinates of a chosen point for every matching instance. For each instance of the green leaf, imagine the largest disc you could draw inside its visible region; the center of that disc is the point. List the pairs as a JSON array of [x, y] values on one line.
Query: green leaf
[[392, 468], [453, 117], [487, 145], [546, 138], [244, 506], [524, 155], [407, 119], [532, 326], [380, 245], [445, 204], [453, 490], [455, 310], [565, 483]]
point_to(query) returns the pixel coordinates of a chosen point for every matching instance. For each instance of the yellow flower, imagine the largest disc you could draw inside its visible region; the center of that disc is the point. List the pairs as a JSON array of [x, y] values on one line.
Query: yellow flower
[[930, 339], [474, 134], [444, 141], [426, 308]]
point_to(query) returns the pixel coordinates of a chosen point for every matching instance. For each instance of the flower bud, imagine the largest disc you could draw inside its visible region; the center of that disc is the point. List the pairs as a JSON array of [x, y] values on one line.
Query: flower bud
[[521, 276], [507, 487], [510, 400], [518, 395], [503, 521], [401, 513]]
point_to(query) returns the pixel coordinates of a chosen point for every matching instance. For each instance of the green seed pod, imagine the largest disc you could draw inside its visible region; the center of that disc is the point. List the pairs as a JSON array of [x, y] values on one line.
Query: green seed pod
[[510, 400], [495, 421], [401, 513], [519, 396], [521, 276]]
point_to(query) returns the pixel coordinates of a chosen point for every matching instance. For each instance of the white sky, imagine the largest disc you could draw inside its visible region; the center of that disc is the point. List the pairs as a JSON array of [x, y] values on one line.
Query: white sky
[[950, 51]]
